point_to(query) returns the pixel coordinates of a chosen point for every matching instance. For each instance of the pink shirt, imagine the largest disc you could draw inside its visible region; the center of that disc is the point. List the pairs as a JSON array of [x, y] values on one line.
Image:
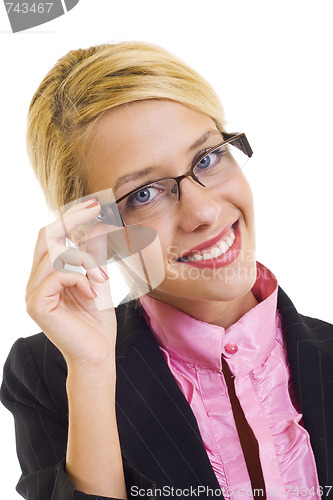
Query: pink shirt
[[253, 349]]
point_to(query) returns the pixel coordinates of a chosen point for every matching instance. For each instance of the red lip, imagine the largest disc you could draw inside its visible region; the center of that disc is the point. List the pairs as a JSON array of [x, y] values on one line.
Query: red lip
[[211, 242], [223, 260]]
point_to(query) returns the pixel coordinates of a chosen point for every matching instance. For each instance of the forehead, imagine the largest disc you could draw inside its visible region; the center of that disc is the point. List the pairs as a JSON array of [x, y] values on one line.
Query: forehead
[[138, 135]]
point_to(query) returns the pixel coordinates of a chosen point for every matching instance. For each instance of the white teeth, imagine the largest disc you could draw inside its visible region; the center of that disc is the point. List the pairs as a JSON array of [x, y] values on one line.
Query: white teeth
[[215, 251], [224, 246]]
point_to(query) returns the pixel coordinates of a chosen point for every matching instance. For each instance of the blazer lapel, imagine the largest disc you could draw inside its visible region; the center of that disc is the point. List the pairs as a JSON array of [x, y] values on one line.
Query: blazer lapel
[[310, 355], [158, 432]]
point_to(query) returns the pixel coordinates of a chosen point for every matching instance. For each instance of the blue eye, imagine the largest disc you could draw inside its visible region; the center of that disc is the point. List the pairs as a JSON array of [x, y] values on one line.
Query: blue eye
[[142, 196], [205, 162], [209, 161]]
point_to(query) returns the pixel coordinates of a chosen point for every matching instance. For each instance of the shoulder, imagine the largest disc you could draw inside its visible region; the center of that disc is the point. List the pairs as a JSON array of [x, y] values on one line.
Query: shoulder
[[35, 372], [42, 352], [299, 328], [318, 326]]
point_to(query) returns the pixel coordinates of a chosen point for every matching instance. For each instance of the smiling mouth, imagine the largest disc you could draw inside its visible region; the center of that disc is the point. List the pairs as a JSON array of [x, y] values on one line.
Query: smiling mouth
[[216, 250]]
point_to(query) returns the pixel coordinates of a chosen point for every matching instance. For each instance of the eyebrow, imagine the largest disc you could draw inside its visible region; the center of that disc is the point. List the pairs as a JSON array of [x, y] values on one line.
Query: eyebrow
[[142, 173], [204, 138], [133, 177]]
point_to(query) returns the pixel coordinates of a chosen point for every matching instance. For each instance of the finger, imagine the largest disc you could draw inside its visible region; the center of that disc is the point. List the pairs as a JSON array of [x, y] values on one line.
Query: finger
[[58, 230], [46, 297], [58, 257], [96, 242]]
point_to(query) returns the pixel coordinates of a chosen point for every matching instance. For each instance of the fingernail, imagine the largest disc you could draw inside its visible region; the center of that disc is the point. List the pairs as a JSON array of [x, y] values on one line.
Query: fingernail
[[103, 273], [93, 292], [93, 198], [92, 204]]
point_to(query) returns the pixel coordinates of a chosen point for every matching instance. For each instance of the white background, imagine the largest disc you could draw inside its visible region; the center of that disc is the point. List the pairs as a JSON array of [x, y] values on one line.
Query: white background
[[270, 62]]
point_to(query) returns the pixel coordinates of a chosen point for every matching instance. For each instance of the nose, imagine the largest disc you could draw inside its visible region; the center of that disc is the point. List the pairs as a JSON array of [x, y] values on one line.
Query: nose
[[196, 206]]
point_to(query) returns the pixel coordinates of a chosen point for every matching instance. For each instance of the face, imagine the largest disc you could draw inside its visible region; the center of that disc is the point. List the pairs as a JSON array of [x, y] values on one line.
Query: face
[[140, 142]]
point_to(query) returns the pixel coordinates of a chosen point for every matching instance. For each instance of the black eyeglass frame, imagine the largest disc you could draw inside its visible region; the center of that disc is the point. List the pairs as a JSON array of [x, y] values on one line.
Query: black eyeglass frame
[[243, 146]]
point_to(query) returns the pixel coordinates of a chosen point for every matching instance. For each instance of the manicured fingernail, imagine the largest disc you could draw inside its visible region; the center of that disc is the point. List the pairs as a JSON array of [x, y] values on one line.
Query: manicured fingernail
[[93, 198], [103, 273], [93, 292], [92, 204]]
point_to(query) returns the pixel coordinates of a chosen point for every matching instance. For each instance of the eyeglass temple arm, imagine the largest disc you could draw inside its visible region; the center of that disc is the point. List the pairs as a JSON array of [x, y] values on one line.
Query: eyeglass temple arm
[[241, 142]]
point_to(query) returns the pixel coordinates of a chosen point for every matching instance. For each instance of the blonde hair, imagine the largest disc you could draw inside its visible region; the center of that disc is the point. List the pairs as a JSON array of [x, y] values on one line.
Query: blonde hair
[[86, 83]]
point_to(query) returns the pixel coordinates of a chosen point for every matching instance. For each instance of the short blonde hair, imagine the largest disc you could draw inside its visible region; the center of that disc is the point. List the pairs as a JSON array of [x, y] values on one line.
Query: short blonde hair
[[86, 83]]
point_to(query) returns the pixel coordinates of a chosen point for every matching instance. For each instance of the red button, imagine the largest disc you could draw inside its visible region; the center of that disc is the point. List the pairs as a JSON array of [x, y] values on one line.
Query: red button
[[231, 348]]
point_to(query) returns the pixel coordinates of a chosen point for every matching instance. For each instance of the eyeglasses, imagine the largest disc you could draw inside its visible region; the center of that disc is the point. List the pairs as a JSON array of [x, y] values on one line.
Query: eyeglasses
[[155, 199]]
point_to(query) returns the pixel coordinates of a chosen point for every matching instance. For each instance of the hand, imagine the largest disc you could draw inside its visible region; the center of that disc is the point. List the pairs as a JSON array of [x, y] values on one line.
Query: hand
[[65, 303]]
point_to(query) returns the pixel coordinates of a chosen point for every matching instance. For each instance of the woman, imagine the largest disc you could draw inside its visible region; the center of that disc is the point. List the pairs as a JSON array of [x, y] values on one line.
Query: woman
[[215, 369]]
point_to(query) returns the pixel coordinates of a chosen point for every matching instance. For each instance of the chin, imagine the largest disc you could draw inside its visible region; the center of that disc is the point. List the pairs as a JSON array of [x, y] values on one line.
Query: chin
[[227, 284]]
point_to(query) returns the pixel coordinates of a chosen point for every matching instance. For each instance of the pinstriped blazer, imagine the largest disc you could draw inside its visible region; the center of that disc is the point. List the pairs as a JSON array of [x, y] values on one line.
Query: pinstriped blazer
[[160, 440]]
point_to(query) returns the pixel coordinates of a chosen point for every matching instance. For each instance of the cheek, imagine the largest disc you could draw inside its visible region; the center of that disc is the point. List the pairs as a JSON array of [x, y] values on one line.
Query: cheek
[[157, 255], [169, 249], [165, 231], [240, 194], [248, 196]]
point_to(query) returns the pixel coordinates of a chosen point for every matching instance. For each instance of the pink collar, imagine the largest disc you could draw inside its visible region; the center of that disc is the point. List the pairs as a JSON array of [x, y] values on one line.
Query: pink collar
[[202, 344]]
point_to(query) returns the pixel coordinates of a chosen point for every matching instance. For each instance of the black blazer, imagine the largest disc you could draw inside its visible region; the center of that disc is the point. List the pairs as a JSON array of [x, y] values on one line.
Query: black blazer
[[160, 440]]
